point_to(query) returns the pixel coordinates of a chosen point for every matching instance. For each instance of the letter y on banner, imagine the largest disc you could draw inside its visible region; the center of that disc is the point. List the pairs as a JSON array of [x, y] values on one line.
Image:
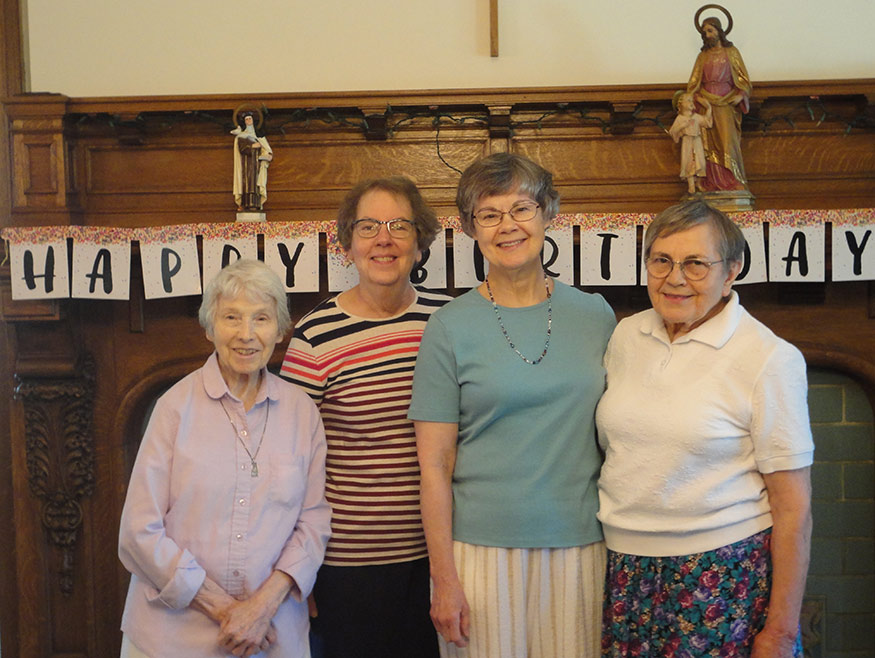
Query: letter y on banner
[[853, 247], [291, 249]]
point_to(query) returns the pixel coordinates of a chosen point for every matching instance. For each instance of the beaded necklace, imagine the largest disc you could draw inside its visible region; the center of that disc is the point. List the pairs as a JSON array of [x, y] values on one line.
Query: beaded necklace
[[549, 322]]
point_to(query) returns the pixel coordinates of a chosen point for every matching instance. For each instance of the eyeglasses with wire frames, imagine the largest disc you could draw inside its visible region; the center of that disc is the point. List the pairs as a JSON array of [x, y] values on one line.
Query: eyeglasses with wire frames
[[520, 212], [693, 269], [398, 228]]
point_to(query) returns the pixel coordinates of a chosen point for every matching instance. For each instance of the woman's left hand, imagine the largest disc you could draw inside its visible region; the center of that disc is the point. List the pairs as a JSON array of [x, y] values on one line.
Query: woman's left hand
[[246, 626], [768, 644], [790, 500]]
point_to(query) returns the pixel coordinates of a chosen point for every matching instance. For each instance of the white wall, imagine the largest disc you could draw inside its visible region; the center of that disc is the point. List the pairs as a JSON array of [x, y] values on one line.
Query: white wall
[[87, 48]]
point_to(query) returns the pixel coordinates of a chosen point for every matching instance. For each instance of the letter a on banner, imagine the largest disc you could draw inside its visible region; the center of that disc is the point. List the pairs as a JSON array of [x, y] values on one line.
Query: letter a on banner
[[796, 252], [39, 270], [170, 266], [101, 264]]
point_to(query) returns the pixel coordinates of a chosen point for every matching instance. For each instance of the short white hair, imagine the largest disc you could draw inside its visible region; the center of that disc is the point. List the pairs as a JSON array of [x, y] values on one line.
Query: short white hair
[[251, 277]]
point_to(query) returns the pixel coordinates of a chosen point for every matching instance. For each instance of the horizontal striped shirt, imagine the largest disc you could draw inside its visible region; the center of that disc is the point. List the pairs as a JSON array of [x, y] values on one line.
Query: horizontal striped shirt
[[359, 372]]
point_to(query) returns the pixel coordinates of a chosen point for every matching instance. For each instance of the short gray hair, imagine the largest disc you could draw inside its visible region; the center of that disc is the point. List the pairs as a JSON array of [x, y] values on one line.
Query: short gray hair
[[251, 277], [688, 214], [501, 173]]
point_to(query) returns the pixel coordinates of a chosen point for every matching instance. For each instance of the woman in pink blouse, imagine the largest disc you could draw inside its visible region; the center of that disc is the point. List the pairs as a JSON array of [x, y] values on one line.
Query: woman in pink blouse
[[225, 522]]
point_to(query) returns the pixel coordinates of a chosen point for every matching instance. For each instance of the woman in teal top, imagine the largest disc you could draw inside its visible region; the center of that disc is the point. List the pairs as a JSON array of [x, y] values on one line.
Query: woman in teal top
[[507, 380]]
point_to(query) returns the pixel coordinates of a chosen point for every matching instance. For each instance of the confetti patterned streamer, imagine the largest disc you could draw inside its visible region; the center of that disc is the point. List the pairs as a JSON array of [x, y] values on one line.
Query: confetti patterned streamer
[[292, 229], [609, 221], [796, 218], [167, 233], [230, 231], [102, 235], [851, 216], [452, 222], [749, 219], [35, 234]]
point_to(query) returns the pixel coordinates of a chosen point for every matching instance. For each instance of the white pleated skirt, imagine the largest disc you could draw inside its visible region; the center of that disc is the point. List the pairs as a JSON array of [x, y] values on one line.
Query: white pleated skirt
[[531, 602]]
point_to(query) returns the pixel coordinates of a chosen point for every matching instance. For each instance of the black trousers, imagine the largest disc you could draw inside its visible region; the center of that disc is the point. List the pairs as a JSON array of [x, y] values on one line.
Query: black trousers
[[373, 612]]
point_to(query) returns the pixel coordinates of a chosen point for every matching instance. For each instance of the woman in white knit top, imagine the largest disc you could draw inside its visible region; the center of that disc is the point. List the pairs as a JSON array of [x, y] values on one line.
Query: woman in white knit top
[[705, 490]]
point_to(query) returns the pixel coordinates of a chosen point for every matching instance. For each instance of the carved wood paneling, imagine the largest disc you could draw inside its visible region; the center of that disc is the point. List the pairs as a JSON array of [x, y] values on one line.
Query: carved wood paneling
[[60, 456]]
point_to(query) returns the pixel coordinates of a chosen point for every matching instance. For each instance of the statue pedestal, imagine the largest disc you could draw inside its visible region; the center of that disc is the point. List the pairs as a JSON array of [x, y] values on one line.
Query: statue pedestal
[[728, 201], [251, 216]]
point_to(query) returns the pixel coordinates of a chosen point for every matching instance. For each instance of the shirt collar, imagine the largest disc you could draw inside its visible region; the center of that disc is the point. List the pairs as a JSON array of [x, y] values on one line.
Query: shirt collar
[[716, 332], [216, 388]]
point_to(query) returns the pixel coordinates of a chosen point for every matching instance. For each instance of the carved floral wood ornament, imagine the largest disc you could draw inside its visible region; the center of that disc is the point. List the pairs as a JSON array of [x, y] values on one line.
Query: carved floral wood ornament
[[59, 449]]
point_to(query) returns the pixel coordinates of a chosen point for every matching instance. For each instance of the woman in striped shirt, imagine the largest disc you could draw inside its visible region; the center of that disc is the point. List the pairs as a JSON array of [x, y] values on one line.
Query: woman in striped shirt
[[354, 354]]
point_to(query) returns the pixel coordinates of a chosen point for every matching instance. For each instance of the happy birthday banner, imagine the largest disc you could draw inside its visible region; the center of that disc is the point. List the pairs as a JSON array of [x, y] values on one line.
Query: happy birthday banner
[[97, 264]]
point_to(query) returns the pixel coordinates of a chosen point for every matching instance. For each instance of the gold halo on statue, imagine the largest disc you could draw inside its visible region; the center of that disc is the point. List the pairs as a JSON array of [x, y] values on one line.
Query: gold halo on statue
[[249, 107], [718, 7]]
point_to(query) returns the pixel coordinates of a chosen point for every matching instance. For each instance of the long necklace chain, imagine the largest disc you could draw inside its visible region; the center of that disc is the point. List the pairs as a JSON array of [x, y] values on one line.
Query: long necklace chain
[[549, 322], [253, 465]]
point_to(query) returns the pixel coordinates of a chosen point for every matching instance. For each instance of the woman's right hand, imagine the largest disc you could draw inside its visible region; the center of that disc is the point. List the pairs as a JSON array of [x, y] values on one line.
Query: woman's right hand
[[436, 446], [450, 613]]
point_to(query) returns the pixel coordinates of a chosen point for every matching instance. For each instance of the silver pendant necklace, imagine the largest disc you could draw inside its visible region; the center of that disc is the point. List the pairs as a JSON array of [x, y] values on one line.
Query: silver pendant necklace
[[253, 465], [549, 322]]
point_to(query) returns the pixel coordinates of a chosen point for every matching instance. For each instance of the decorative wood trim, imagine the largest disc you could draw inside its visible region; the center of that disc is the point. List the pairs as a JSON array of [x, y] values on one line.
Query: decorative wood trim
[[60, 455], [12, 83], [134, 105]]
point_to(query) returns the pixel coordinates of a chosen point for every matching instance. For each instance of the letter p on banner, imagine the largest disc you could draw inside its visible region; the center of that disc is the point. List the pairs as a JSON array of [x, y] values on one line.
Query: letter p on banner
[[170, 268]]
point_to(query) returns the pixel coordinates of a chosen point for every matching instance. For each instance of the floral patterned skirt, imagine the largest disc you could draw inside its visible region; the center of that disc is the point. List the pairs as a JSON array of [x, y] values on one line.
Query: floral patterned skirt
[[705, 604]]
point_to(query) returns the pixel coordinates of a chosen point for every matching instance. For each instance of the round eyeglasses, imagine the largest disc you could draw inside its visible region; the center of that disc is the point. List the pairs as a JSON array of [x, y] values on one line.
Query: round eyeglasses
[[398, 228], [693, 269], [521, 212]]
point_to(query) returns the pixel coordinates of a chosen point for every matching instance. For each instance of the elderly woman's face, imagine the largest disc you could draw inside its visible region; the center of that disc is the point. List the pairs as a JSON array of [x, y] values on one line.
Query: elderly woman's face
[[384, 259], [245, 332], [510, 245], [684, 304]]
